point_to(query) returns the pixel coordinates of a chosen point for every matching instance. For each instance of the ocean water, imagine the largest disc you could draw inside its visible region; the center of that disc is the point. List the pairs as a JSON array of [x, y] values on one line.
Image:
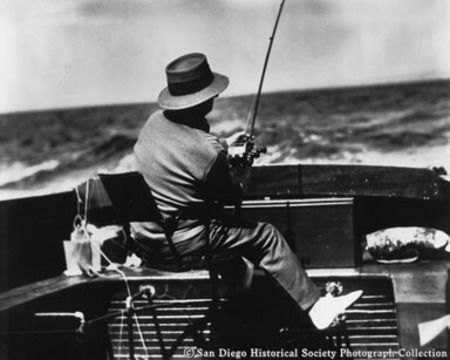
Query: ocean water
[[399, 125]]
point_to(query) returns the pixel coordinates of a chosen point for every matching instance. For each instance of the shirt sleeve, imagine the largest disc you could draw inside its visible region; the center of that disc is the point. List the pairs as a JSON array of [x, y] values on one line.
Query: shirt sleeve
[[222, 184]]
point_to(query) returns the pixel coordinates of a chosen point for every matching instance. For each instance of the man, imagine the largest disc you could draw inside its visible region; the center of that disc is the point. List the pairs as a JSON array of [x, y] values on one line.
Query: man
[[188, 171]]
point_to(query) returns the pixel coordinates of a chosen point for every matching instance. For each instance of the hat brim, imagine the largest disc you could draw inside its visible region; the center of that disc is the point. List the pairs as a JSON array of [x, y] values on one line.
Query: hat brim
[[170, 102]]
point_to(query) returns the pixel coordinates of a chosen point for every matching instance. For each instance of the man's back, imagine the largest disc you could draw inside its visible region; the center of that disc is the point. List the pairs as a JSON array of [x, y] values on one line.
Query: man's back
[[175, 160]]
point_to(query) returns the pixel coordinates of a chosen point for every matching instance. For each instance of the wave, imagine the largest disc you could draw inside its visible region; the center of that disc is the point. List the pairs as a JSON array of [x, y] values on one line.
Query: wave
[[392, 125], [18, 172], [109, 149], [68, 170]]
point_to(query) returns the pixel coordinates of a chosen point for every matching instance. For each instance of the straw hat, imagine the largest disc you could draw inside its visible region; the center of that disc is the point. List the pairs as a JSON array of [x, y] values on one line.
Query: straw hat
[[190, 82]]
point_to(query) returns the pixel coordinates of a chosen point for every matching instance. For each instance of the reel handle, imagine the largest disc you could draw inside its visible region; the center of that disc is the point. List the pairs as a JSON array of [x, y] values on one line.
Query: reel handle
[[245, 151]]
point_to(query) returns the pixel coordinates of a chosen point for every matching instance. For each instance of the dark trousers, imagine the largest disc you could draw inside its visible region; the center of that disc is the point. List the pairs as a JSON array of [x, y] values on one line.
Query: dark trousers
[[264, 246], [260, 243]]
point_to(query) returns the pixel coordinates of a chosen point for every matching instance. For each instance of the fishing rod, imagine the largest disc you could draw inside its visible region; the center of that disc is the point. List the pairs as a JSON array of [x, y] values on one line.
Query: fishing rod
[[244, 151]]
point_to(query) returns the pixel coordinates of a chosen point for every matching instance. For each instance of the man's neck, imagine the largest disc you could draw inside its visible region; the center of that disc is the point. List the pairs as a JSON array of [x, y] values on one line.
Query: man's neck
[[188, 118]]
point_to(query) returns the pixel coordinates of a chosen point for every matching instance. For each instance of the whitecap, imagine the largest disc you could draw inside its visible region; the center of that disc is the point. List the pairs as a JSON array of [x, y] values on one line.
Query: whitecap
[[18, 171]]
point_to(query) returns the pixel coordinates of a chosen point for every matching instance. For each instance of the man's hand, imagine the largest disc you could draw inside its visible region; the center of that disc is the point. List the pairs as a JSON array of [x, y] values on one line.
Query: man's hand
[[240, 136]]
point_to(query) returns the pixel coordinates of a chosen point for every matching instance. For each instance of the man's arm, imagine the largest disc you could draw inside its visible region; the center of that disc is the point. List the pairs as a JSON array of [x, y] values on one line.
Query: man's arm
[[225, 183]]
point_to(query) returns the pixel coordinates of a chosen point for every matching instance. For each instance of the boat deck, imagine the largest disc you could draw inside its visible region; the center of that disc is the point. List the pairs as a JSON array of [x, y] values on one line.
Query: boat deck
[[419, 294], [422, 282]]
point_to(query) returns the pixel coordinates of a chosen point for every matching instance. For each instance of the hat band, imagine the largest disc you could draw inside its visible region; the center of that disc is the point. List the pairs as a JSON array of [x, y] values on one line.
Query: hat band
[[191, 86]]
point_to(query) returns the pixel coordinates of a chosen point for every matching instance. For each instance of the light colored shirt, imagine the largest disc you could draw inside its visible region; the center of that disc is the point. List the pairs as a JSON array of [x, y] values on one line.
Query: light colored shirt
[[186, 168]]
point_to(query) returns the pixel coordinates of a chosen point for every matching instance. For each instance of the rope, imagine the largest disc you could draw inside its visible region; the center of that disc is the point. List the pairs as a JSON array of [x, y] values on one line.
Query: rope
[[138, 325], [114, 268], [149, 307], [79, 201], [86, 202], [122, 323], [141, 335], [83, 221]]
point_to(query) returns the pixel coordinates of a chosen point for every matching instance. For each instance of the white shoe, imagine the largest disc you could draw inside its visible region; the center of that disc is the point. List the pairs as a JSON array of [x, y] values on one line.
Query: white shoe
[[325, 310]]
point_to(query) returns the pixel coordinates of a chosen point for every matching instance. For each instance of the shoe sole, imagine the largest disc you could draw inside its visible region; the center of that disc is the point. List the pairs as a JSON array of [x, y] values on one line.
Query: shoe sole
[[352, 300]]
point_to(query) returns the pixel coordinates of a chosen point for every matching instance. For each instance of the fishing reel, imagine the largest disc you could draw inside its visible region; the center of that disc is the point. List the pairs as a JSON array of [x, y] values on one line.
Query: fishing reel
[[244, 151]]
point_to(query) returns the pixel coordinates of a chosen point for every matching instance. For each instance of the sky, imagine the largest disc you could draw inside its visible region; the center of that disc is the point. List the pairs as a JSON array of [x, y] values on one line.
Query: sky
[[70, 53]]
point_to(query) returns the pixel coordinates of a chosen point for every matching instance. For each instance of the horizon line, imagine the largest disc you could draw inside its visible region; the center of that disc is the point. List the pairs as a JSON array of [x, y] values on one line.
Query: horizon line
[[302, 90]]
